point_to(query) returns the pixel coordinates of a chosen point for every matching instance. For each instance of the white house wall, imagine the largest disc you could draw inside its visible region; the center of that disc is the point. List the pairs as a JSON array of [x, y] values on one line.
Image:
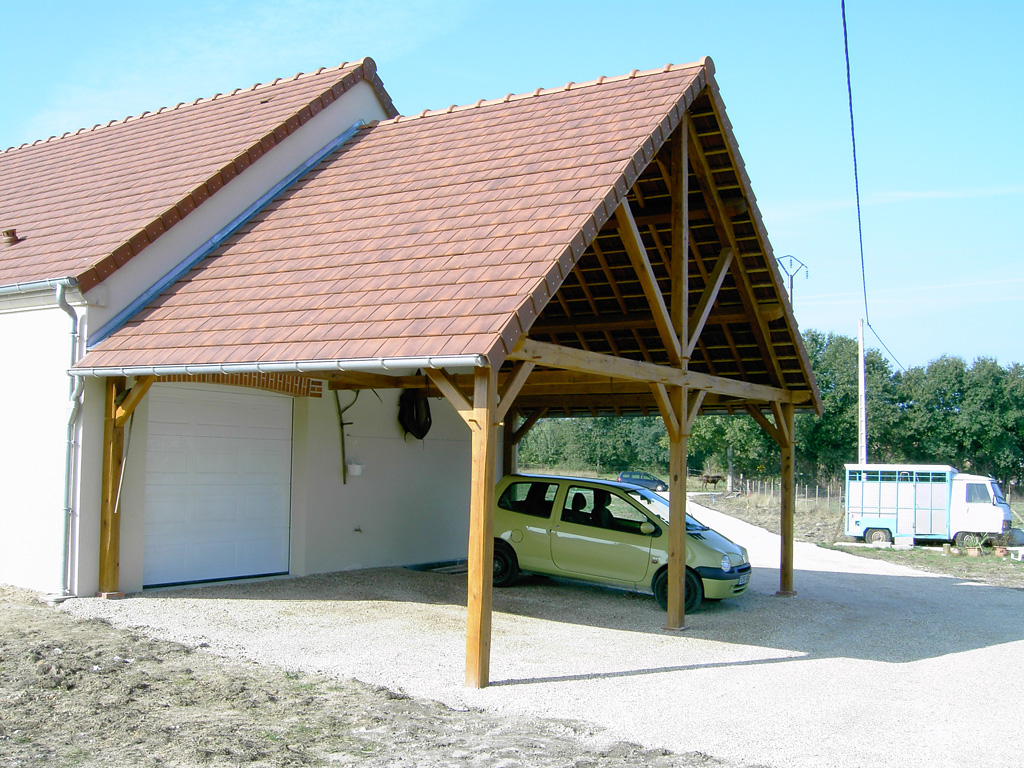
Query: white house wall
[[34, 389], [409, 504]]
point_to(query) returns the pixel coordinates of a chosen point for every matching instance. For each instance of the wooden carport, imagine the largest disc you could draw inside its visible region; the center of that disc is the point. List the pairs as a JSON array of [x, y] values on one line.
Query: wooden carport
[[637, 281]]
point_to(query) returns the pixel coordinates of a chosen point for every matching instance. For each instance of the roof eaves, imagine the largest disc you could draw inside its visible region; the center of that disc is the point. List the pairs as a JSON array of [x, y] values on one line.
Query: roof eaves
[[134, 245]]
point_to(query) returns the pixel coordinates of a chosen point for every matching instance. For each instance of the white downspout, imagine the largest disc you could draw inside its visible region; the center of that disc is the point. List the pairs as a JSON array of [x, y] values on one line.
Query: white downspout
[[76, 386]]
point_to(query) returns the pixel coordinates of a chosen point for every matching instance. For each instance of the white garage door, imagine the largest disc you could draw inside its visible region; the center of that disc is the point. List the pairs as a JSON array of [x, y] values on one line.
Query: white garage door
[[218, 484]]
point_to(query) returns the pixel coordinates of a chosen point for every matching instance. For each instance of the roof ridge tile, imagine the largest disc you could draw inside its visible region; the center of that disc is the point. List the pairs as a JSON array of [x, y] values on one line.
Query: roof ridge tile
[[370, 75], [704, 62]]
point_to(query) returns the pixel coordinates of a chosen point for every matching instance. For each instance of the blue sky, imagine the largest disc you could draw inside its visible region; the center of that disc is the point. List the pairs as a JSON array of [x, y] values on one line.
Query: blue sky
[[937, 90]]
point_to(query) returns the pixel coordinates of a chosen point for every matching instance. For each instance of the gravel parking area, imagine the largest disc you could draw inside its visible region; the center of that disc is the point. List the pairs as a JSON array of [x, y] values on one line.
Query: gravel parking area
[[870, 664]]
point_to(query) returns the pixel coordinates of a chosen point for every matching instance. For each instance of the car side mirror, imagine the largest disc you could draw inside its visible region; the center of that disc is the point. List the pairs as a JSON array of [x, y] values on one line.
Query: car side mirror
[[647, 528]]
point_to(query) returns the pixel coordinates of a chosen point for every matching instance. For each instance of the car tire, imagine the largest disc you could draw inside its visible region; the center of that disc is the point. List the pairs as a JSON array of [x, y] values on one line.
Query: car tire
[[877, 536], [506, 564], [694, 590]]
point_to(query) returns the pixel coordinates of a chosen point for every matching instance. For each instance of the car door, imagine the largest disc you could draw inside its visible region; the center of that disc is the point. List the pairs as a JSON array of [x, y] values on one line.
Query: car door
[[597, 535], [523, 516]]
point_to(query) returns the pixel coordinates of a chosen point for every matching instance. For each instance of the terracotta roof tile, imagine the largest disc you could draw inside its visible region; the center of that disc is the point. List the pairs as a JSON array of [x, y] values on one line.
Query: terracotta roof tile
[[422, 236], [77, 198]]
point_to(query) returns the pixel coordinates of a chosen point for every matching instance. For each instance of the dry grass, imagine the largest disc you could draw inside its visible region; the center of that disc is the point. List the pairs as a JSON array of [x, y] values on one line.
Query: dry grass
[[821, 523]]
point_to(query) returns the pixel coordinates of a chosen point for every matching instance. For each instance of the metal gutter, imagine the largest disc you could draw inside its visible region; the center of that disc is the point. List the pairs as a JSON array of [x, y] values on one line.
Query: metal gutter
[[38, 286], [204, 250], [394, 365]]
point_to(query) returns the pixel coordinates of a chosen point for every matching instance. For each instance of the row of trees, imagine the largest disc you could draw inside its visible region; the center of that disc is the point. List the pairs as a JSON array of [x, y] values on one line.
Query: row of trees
[[970, 416]]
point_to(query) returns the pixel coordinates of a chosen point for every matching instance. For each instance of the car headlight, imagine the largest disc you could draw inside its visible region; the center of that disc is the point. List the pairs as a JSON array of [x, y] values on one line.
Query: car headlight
[[726, 563]]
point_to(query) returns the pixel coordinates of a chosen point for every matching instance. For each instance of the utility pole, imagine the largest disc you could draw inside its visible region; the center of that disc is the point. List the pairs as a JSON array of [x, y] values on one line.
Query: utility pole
[[791, 265], [862, 407]]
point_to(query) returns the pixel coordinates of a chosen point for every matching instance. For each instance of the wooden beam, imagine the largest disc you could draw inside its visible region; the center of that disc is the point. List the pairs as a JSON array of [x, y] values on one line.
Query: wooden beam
[[132, 399], [652, 291], [358, 380], [452, 393], [568, 358], [693, 401], [767, 426], [680, 269], [113, 459], [481, 529], [527, 425], [513, 384], [667, 410], [707, 299]]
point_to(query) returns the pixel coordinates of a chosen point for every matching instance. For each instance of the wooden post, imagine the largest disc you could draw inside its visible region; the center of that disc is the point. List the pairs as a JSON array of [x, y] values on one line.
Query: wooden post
[[113, 458], [483, 424], [677, 520], [679, 310], [788, 497]]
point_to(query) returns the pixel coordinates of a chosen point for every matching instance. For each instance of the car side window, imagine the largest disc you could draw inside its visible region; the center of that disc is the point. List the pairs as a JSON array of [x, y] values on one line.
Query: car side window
[[601, 508], [977, 493], [529, 498]]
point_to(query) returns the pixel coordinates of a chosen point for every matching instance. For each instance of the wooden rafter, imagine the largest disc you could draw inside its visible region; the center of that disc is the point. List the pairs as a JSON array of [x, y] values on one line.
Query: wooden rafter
[[703, 173]]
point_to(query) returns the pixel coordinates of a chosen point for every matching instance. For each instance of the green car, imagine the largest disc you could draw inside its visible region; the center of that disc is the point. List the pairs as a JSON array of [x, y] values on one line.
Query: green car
[[608, 533]]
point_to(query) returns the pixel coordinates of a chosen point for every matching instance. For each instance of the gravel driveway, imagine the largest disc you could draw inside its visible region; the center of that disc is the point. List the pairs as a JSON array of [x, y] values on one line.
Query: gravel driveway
[[869, 665]]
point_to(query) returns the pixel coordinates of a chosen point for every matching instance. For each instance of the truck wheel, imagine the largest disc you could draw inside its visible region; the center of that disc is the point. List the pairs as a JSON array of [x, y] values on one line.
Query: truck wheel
[[877, 536], [968, 539]]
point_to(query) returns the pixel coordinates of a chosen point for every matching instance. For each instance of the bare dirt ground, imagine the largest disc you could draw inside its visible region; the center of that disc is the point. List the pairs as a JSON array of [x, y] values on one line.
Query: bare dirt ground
[[83, 693]]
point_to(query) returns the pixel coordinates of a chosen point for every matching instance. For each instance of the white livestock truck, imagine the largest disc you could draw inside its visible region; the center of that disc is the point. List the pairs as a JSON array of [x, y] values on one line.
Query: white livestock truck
[[923, 501]]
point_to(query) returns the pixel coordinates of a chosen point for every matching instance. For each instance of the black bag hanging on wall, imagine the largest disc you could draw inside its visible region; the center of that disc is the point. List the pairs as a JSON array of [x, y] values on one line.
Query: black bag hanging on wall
[[414, 412]]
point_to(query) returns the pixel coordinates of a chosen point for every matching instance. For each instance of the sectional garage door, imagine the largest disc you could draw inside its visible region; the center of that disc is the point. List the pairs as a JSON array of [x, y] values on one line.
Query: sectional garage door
[[218, 484]]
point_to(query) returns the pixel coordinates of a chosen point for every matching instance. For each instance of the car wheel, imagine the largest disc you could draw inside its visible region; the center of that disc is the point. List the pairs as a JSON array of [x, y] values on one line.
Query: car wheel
[[506, 564], [877, 536], [694, 594]]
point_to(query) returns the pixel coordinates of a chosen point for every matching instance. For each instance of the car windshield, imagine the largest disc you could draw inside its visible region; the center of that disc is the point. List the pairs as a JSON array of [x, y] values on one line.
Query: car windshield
[[657, 505]]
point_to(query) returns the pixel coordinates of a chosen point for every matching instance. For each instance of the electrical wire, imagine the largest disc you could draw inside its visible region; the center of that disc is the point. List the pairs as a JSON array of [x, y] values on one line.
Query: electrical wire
[[856, 187]]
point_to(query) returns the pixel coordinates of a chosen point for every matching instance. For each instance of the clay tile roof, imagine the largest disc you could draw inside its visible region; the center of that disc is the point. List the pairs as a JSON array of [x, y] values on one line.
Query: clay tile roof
[[473, 206], [458, 231], [88, 201]]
